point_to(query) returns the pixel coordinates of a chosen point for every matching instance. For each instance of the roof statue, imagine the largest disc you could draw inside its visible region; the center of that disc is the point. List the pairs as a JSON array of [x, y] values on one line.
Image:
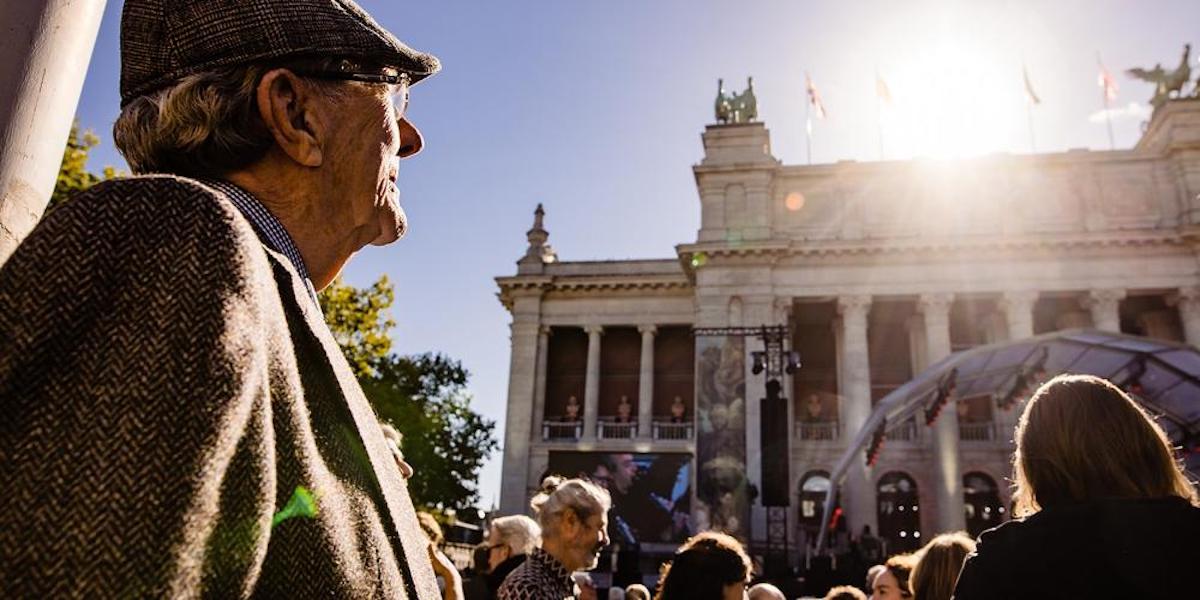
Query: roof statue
[[736, 108], [1168, 84], [539, 251]]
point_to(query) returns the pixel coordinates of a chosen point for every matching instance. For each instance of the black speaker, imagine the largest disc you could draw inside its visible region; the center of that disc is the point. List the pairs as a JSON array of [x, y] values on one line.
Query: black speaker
[[774, 444]]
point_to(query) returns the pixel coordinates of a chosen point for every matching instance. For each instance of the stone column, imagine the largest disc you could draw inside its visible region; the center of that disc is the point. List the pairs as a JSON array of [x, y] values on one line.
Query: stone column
[[646, 382], [517, 429], [947, 476], [539, 385], [1018, 312], [1105, 308], [1188, 303], [859, 492], [591, 390], [47, 46]]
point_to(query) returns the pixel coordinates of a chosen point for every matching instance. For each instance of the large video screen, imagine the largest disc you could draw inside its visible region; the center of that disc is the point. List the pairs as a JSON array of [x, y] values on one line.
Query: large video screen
[[651, 493]]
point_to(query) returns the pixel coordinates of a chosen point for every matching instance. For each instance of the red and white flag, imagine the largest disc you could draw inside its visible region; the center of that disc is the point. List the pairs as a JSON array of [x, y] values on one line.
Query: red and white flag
[[1106, 81], [814, 98]]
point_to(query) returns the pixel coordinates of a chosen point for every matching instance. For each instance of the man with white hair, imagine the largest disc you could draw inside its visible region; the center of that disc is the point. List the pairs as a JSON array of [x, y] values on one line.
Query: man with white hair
[[179, 420], [573, 514], [765, 591], [510, 541]]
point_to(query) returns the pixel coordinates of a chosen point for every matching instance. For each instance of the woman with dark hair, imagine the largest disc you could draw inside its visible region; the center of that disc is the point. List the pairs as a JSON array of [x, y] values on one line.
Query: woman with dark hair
[[709, 566], [1108, 512]]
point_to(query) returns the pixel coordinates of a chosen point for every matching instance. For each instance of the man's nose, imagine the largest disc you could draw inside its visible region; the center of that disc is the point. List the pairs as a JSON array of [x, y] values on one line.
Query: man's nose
[[411, 140]]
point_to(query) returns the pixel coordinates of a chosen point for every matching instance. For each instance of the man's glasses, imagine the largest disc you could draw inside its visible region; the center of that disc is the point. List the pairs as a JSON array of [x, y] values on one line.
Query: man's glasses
[[348, 71]]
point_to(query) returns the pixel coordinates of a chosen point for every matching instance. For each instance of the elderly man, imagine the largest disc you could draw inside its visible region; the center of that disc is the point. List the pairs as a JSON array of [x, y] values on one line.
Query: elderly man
[[178, 420], [573, 514], [510, 541]]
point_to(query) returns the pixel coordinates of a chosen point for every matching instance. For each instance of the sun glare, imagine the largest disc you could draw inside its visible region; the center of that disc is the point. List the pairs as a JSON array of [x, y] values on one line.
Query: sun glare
[[952, 98]]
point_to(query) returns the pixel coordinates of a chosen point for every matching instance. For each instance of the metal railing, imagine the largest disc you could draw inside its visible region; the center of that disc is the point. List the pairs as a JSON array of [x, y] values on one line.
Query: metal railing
[[562, 430], [823, 431], [666, 430], [611, 430], [977, 432], [903, 432]]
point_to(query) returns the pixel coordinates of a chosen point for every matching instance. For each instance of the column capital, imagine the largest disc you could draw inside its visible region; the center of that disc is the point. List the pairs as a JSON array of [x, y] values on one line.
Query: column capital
[[546, 330], [854, 306], [935, 304], [1102, 297], [1187, 298], [647, 329], [1018, 300], [593, 329]]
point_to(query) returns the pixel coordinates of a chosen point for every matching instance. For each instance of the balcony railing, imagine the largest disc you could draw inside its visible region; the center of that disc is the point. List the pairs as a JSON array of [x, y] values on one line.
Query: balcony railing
[[562, 430], [824, 431], [611, 430], [903, 432], [977, 432], [666, 430]]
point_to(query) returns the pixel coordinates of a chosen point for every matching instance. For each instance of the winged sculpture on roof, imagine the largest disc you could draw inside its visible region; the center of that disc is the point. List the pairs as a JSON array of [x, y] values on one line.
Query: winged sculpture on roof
[[1167, 84]]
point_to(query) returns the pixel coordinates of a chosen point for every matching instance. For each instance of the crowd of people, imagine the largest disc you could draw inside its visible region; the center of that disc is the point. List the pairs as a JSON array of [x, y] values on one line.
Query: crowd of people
[[1105, 512]]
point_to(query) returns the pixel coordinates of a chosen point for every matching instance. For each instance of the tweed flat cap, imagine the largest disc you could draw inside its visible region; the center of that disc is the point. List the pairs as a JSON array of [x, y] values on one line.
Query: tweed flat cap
[[164, 40]]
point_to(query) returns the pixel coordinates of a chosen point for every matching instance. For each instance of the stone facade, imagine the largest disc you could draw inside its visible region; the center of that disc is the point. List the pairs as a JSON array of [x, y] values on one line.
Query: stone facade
[[880, 269]]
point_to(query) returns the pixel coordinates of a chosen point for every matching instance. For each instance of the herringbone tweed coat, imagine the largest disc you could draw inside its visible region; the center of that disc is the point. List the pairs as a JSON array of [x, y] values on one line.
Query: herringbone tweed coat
[[165, 387]]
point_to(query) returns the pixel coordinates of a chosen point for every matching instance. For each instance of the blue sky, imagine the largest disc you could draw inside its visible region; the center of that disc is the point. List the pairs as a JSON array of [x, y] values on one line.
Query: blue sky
[[596, 108]]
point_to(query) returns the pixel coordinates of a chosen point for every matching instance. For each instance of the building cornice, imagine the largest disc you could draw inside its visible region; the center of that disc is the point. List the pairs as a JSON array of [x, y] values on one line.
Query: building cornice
[[590, 285]]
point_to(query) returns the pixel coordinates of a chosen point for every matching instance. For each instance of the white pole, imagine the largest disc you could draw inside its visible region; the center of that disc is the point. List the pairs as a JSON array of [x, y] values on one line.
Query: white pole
[[46, 46]]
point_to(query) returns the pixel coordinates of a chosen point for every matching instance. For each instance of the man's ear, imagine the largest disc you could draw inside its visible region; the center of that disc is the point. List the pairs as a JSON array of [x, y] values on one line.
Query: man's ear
[[288, 106]]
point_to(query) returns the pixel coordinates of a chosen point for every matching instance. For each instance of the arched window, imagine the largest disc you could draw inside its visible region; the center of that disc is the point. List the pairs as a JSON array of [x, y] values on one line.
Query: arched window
[[981, 500], [899, 512], [813, 488]]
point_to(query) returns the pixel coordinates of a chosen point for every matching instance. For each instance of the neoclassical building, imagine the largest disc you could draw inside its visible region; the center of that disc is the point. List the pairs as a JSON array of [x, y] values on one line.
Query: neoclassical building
[[877, 269]]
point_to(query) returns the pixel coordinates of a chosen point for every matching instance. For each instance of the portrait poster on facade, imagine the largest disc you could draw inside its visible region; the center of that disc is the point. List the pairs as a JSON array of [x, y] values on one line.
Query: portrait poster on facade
[[722, 502], [651, 493]]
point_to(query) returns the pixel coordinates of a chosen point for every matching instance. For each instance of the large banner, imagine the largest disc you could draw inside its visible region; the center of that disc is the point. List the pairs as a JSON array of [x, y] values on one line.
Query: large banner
[[722, 502], [651, 493]]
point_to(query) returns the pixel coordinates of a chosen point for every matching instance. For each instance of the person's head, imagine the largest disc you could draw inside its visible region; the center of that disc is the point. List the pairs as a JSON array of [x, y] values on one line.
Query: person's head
[[573, 514], [621, 471], [511, 536], [252, 93], [845, 592], [936, 572], [1082, 438], [709, 566], [872, 573], [892, 582], [616, 593], [765, 591], [430, 527], [637, 591]]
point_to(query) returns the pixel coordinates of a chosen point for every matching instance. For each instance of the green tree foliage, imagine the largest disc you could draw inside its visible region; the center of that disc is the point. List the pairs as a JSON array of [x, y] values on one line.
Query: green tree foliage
[[361, 323], [73, 175], [423, 396]]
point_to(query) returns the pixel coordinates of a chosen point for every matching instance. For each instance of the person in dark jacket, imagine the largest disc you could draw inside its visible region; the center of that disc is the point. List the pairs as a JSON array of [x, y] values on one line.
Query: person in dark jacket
[[1108, 513]]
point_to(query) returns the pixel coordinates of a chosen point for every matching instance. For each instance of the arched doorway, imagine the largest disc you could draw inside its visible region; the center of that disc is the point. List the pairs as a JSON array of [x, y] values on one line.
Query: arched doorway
[[899, 516], [813, 488], [981, 500]]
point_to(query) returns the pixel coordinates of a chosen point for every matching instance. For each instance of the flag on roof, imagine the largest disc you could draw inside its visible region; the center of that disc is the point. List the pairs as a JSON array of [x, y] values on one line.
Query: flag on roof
[[1106, 81], [1030, 95], [882, 90], [814, 97]]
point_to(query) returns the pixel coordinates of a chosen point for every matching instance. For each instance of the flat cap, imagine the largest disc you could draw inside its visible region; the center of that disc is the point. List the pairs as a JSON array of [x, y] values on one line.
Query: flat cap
[[165, 40]]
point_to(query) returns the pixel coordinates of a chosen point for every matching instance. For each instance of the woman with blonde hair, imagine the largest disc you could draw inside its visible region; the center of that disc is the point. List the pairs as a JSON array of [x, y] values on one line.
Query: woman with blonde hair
[[936, 572], [1108, 512]]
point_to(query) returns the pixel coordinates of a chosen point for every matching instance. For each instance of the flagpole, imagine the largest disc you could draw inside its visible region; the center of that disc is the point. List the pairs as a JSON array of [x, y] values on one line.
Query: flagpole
[[808, 125], [879, 114], [1104, 95], [1029, 115]]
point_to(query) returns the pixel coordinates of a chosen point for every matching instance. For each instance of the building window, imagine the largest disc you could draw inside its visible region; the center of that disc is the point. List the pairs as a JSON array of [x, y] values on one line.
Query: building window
[[981, 501]]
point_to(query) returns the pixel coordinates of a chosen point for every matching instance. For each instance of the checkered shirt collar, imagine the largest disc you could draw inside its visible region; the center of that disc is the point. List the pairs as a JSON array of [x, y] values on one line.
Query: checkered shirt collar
[[269, 229]]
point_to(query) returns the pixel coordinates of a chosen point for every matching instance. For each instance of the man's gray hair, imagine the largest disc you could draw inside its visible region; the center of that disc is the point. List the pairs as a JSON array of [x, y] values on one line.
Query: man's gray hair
[[206, 124], [558, 495], [520, 533]]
